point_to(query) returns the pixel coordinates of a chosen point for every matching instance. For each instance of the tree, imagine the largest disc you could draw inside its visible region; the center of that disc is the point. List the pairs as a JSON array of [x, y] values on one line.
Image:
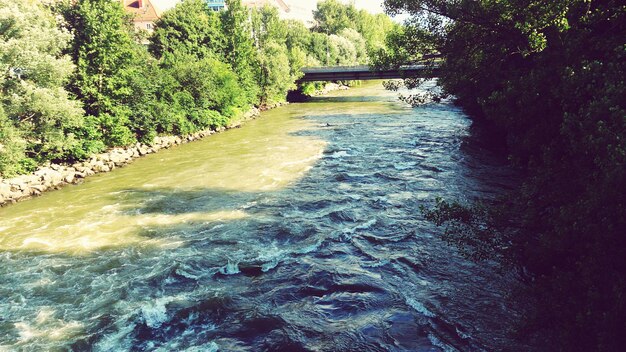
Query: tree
[[12, 147], [549, 76], [374, 29], [319, 48], [341, 51], [111, 72], [201, 94], [38, 115], [239, 47], [333, 16], [267, 25], [297, 35], [359, 44], [276, 79], [190, 28]]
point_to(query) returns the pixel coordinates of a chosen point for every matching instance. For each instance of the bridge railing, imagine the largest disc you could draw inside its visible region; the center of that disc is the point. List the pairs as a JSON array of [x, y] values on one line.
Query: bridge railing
[[358, 68], [364, 72]]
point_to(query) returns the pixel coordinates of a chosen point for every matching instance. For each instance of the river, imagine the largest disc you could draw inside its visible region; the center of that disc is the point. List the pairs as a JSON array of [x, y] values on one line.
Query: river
[[300, 231]]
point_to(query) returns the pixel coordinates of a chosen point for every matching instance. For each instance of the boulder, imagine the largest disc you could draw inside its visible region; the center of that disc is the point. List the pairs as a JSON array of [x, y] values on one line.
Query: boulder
[[97, 166], [5, 192], [17, 185], [4, 189], [56, 177], [36, 190], [69, 177]]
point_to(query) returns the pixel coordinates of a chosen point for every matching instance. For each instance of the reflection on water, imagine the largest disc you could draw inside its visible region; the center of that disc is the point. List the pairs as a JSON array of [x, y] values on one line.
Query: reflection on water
[[299, 232]]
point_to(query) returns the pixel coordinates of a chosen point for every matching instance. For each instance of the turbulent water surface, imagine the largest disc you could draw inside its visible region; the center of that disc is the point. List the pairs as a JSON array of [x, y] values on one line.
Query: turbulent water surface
[[299, 232]]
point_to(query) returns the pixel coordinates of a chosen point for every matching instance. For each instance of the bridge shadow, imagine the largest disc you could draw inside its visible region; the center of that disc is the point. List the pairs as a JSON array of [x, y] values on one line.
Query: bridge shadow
[[348, 99]]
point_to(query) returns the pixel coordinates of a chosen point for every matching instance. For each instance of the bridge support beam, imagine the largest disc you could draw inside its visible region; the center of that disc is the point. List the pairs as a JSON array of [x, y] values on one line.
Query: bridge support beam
[[354, 73]]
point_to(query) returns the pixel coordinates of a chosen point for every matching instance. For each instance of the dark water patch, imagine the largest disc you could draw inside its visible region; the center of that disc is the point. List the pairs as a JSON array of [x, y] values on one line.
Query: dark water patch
[[348, 99]]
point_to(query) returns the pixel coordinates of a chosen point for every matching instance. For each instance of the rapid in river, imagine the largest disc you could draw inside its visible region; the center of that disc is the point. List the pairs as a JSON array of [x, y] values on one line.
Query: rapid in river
[[300, 231]]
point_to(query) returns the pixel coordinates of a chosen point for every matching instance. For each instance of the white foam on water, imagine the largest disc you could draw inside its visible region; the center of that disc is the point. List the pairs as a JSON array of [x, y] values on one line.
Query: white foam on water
[[270, 265], [419, 307], [310, 248], [36, 241], [462, 334], [111, 207], [184, 273], [377, 264], [437, 342], [338, 155], [114, 342], [423, 282], [44, 281], [364, 226], [210, 347], [404, 166], [155, 312], [249, 205], [46, 327], [231, 268], [44, 315]]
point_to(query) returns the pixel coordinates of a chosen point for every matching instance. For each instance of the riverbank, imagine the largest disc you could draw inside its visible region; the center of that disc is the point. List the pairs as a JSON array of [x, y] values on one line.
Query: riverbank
[[53, 176]]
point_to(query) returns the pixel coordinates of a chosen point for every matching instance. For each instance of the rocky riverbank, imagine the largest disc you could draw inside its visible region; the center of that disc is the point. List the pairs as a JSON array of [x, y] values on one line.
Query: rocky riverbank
[[52, 176], [329, 88]]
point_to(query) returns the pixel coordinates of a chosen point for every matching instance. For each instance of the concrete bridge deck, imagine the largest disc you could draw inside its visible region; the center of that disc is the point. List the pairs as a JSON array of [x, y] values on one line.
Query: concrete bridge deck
[[363, 72]]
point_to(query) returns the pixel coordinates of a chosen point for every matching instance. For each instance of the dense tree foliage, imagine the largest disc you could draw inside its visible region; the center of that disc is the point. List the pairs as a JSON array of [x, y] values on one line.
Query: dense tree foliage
[[333, 17], [111, 77], [239, 50], [275, 76], [189, 29], [198, 94], [550, 77], [37, 116], [76, 80]]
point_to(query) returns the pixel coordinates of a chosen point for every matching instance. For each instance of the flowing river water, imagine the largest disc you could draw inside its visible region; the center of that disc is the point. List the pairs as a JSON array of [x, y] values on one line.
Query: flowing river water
[[300, 231]]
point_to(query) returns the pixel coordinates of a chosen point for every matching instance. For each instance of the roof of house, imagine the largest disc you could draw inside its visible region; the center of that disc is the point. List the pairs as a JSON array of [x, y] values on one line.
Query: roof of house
[[143, 10]]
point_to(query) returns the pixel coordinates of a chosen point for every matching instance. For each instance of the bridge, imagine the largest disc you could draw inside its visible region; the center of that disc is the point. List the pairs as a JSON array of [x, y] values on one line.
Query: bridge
[[364, 72]]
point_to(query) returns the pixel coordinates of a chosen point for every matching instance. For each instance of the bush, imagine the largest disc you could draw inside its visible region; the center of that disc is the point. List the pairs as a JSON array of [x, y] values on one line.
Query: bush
[[114, 129], [206, 93], [12, 148]]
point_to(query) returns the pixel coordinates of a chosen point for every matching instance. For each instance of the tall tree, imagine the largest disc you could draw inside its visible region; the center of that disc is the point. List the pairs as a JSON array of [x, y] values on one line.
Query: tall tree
[[111, 72], [40, 116], [190, 28], [276, 79], [267, 25], [239, 47], [333, 16]]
